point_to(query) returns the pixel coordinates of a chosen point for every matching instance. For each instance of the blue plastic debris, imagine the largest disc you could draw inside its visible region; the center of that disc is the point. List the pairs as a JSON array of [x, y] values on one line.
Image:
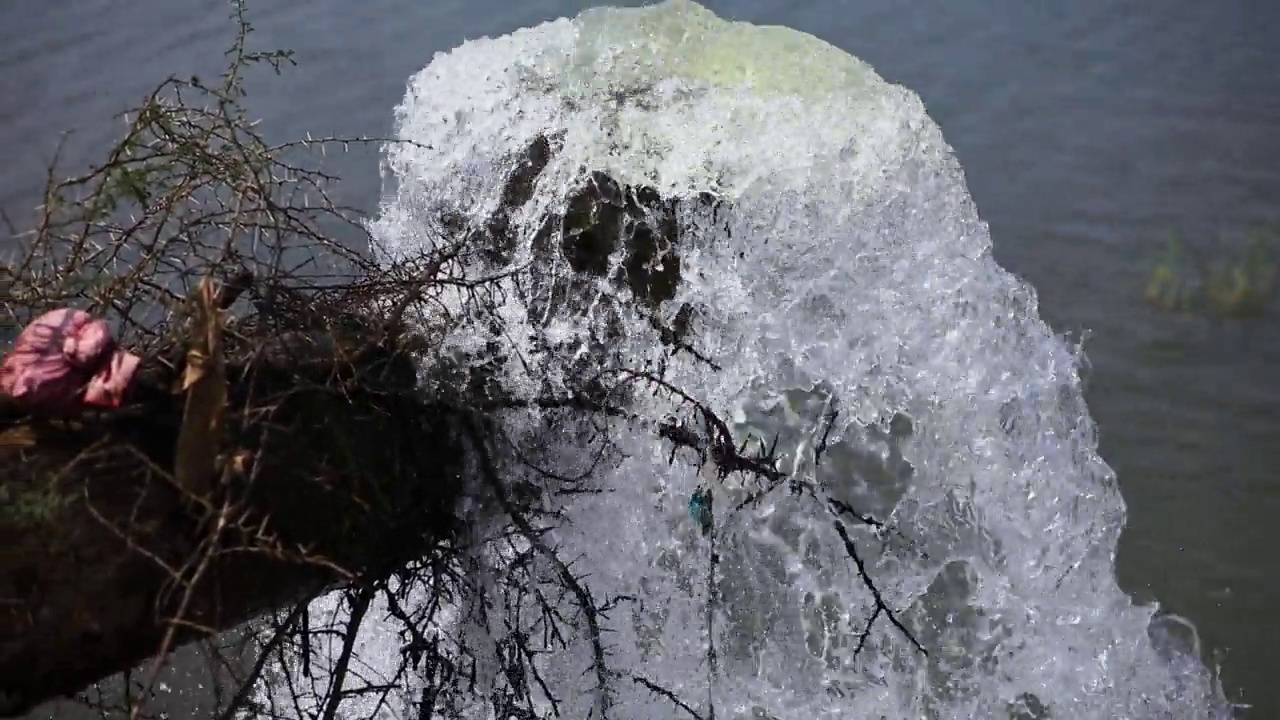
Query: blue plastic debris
[[700, 509]]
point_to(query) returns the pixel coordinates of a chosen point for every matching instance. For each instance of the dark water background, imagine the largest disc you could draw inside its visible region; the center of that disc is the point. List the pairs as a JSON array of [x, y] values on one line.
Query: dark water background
[[1088, 130]]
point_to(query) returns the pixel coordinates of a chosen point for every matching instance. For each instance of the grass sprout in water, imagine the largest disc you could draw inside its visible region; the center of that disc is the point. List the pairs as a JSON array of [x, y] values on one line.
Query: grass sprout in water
[[1229, 283]]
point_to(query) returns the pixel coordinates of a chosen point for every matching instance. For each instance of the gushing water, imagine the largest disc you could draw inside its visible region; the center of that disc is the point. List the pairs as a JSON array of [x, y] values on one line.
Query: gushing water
[[845, 267]]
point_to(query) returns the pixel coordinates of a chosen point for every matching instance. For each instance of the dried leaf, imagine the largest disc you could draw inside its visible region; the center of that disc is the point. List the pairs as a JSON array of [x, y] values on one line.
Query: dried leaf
[[205, 383]]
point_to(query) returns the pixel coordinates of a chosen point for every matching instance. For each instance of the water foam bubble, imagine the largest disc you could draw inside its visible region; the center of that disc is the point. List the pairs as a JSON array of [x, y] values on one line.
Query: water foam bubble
[[845, 265]]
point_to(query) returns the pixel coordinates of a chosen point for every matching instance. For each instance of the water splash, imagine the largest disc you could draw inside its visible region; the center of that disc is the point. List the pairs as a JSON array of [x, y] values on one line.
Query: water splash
[[845, 265]]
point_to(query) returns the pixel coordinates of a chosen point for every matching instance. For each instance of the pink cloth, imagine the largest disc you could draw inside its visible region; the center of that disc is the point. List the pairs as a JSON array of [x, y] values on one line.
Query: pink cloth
[[67, 359]]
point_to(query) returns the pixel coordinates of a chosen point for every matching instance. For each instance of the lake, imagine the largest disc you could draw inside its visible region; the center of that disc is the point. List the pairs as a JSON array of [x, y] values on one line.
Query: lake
[[1088, 130]]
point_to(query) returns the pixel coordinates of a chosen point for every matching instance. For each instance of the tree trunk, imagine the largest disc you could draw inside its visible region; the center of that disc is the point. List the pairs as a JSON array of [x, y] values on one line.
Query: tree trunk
[[99, 545]]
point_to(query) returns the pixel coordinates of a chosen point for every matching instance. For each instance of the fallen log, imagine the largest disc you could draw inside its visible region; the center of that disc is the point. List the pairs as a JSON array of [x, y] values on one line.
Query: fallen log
[[329, 468]]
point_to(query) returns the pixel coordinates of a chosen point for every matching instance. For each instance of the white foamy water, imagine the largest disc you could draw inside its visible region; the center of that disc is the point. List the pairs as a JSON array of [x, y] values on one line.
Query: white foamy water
[[847, 264]]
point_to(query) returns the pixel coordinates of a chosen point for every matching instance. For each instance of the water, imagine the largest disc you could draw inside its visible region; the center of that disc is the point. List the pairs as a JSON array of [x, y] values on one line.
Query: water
[[1084, 134]]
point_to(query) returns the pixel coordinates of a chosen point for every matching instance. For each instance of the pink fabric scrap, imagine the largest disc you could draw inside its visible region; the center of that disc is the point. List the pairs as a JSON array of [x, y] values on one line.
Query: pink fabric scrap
[[66, 359]]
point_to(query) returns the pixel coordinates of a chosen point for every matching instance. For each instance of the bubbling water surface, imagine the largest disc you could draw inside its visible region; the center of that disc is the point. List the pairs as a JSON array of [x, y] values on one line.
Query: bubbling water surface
[[846, 266]]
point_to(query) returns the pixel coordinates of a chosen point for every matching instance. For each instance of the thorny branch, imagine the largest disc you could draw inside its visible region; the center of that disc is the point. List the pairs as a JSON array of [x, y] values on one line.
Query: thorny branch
[[715, 444], [582, 595]]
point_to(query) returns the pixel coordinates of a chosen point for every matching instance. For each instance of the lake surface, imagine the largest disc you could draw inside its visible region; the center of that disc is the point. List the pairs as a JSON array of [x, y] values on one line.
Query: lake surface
[[1087, 131]]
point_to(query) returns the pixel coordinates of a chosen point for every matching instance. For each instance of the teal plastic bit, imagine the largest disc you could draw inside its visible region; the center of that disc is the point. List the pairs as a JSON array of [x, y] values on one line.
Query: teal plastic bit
[[700, 509]]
